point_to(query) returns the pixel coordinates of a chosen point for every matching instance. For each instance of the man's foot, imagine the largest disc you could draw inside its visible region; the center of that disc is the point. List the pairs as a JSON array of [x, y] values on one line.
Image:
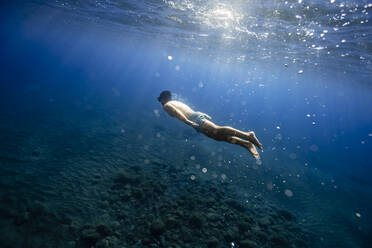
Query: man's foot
[[252, 149], [254, 140]]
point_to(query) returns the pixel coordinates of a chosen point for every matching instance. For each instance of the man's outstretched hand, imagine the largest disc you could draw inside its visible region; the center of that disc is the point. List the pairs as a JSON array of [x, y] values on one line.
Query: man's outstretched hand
[[193, 124]]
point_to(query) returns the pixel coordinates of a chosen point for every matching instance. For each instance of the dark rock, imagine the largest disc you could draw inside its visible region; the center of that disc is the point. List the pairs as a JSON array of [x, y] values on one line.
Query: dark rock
[[243, 226], [125, 177], [108, 242], [300, 244], [159, 188], [97, 176], [64, 219], [212, 216], [102, 244], [151, 187], [21, 219], [262, 236], [38, 209], [212, 242], [146, 241], [235, 204], [264, 221], [89, 236], [171, 222], [247, 244], [229, 235], [248, 219], [174, 169], [286, 215], [278, 241], [157, 227], [104, 230], [135, 168], [137, 193], [210, 202], [196, 220]]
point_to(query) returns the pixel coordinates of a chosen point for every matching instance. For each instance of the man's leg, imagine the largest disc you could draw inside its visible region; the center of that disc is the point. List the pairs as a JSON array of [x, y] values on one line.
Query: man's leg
[[244, 143], [213, 131], [229, 131]]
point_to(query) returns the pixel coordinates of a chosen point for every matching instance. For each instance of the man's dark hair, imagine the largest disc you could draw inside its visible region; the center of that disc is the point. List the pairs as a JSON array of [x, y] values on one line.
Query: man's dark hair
[[165, 96]]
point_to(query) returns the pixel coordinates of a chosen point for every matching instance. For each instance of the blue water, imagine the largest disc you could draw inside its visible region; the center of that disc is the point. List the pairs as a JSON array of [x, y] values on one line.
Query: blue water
[[298, 73]]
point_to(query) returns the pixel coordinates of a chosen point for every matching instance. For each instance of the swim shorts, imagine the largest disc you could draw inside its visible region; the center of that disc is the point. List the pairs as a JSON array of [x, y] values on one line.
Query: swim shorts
[[199, 118]]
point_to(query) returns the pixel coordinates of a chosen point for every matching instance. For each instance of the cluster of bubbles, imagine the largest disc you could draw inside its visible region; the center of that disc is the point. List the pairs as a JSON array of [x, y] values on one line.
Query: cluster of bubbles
[[240, 31], [266, 29]]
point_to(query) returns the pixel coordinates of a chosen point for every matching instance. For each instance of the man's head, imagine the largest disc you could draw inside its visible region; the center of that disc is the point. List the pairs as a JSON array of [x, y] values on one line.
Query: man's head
[[165, 97]]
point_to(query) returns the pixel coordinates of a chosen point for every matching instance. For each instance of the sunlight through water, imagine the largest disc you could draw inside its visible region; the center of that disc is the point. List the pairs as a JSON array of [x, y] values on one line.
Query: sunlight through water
[[292, 32], [91, 155]]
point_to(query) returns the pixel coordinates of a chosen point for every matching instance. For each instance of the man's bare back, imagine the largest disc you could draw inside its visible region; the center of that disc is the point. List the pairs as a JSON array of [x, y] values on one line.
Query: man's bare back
[[186, 110], [201, 122]]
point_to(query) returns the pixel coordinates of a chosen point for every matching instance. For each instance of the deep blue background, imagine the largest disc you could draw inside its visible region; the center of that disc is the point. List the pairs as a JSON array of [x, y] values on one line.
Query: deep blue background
[[44, 62], [50, 66]]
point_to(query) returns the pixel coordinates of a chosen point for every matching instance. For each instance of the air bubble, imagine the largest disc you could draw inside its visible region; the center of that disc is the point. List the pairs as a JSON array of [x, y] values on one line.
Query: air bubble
[[288, 193]]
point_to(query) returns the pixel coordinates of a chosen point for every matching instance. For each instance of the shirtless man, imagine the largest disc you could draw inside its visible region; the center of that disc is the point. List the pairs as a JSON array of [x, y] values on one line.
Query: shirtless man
[[202, 123]]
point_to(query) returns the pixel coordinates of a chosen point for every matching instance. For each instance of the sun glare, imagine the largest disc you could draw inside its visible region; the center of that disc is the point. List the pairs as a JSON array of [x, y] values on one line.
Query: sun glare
[[229, 19], [222, 16]]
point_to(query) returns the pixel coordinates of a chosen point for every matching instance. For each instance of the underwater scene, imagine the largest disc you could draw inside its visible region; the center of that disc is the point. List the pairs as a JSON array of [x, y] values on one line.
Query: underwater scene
[[140, 123]]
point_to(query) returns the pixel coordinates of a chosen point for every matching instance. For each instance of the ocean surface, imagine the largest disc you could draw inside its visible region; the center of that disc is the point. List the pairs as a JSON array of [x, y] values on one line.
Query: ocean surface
[[88, 157]]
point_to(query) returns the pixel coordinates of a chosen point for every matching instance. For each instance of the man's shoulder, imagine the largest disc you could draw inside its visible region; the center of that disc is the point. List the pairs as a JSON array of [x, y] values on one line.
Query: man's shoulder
[[168, 105], [172, 103], [176, 103]]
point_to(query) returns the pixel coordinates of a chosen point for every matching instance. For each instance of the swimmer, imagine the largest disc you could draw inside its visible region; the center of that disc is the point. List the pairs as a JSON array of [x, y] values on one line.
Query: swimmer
[[202, 123]]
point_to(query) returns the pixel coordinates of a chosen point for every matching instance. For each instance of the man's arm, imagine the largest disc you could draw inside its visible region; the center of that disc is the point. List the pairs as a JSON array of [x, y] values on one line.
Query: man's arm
[[174, 112]]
